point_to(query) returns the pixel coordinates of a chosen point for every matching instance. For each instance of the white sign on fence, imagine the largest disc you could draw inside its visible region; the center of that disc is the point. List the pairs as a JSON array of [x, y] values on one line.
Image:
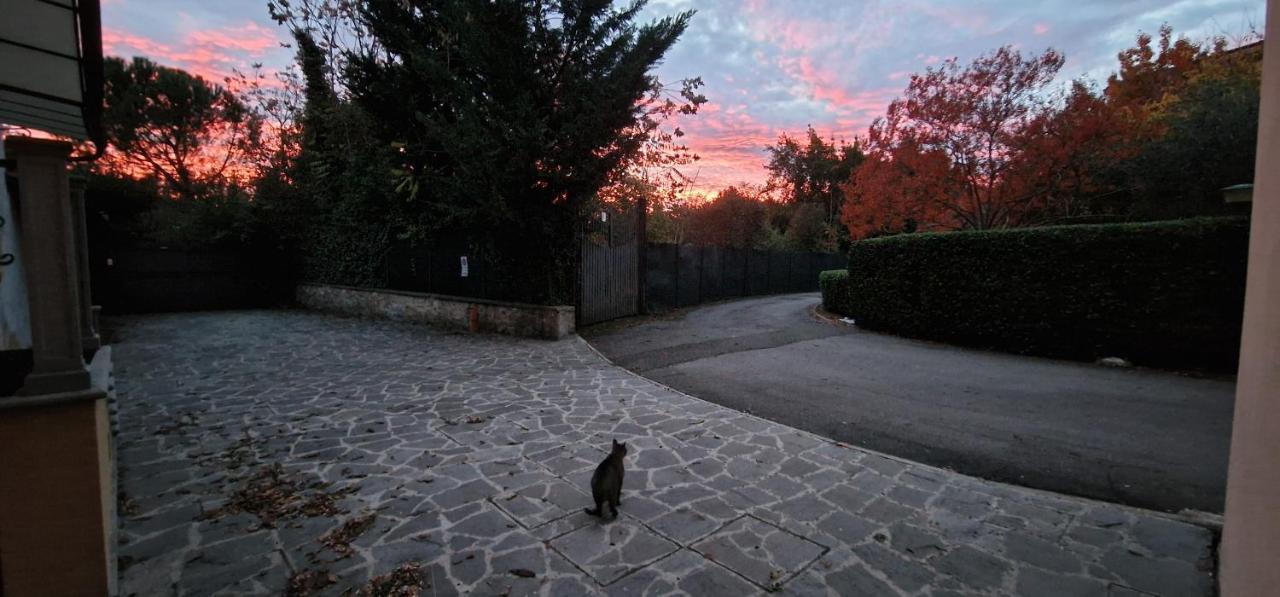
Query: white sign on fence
[[464, 266]]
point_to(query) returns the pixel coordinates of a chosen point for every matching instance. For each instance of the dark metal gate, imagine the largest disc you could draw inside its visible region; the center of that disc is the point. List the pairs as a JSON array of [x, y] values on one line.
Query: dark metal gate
[[612, 249]]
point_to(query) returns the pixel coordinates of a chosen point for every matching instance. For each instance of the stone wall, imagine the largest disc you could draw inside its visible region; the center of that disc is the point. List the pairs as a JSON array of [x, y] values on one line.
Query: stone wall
[[453, 312]]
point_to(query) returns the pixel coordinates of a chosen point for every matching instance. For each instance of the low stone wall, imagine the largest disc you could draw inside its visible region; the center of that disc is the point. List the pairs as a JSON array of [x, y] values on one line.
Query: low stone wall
[[454, 312]]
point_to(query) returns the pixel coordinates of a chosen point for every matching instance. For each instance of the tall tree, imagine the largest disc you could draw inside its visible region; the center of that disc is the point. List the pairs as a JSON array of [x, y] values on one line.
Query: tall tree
[[905, 187], [808, 230], [1175, 123], [1072, 151], [1146, 72], [193, 136], [813, 170], [734, 218], [509, 115], [1206, 137], [335, 30], [944, 155], [655, 171], [335, 204]]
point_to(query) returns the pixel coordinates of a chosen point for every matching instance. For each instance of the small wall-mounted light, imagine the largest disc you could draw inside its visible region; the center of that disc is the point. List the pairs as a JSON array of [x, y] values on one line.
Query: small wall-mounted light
[[1240, 193]]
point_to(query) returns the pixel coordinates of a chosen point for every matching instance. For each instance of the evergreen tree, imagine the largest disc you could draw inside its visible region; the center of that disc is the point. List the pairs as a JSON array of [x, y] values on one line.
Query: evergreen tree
[[507, 117]]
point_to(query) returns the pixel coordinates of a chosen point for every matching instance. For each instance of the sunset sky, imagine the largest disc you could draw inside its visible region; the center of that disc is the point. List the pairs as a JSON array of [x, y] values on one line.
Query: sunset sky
[[770, 66]]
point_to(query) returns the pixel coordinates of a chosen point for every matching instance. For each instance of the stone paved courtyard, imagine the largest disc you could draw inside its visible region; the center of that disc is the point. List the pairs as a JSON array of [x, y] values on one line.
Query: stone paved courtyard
[[271, 451]]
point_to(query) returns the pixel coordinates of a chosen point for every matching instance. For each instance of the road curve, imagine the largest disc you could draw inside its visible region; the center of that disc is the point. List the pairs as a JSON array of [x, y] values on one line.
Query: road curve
[[1145, 438]]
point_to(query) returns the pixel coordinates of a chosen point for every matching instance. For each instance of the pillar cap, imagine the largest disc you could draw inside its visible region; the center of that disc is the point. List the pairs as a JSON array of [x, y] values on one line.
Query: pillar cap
[[26, 146]]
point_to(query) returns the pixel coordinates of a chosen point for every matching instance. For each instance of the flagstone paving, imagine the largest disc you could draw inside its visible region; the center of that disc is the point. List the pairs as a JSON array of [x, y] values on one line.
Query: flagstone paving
[[267, 451]]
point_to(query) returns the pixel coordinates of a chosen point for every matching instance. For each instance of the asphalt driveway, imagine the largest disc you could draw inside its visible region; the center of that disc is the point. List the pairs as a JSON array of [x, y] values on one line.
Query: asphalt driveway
[[1146, 438]]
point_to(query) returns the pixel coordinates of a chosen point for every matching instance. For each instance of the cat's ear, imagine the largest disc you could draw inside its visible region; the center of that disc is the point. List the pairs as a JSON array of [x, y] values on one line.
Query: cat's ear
[[615, 443]]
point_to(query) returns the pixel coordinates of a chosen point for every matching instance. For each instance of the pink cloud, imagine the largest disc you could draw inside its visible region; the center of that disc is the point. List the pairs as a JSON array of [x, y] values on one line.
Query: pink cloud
[[251, 38], [1040, 28], [818, 62], [826, 86], [213, 54], [800, 36], [731, 143], [730, 146]]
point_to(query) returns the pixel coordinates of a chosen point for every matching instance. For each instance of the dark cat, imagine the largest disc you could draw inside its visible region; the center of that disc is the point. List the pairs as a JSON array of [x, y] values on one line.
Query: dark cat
[[606, 483]]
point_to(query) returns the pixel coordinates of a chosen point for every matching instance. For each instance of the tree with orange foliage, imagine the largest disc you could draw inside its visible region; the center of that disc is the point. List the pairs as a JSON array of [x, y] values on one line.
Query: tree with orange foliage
[[903, 187], [1174, 124], [947, 154], [1189, 111], [1205, 137], [1146, 73], [1069, 151]]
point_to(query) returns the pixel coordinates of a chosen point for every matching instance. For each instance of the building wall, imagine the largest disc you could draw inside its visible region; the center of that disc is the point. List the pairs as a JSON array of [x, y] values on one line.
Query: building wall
[[15, 319], [1251, 537], [55, 501]]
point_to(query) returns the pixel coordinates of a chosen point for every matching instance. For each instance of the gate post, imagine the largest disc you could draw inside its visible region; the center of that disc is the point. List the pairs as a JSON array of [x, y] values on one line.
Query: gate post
[[702, 270], [642, 255], [675, 278], [578, 287]]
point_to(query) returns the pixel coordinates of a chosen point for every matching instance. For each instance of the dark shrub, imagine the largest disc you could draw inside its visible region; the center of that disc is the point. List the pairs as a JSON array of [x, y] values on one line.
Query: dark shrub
[[835, 290], [1161, 293]]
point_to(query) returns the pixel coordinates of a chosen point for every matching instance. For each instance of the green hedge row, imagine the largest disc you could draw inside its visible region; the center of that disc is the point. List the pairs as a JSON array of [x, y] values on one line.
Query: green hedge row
[[834, 284], [1165, 294]]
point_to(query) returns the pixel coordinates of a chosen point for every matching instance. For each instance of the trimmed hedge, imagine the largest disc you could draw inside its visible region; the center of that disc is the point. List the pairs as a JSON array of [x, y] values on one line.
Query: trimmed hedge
[[835, 289], [1167, 294]]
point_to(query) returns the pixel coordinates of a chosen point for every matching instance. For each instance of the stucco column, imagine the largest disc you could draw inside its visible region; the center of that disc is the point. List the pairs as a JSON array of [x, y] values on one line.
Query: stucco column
[[88, 331], [48, 239], [56, 496], [1251, 536]]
